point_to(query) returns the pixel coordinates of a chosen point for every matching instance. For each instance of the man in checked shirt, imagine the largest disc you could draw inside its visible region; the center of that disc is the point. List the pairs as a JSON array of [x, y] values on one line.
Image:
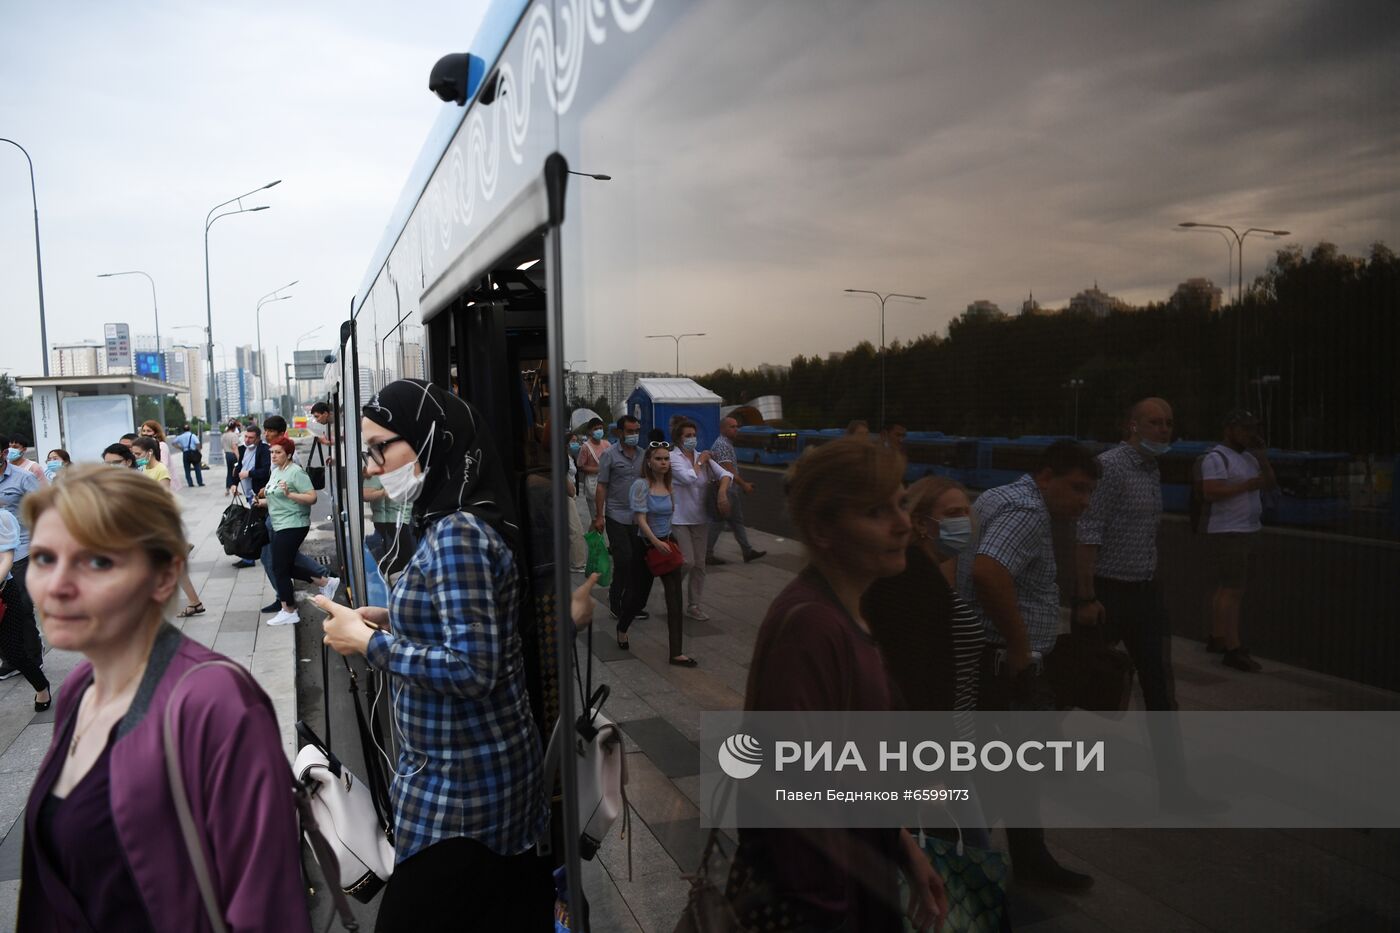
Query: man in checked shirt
[[1116, 557], [1116, 584], [1010, 582]]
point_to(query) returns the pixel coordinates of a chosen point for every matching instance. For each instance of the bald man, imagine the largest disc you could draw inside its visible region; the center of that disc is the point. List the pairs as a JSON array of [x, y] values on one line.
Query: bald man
[[1116, 555]]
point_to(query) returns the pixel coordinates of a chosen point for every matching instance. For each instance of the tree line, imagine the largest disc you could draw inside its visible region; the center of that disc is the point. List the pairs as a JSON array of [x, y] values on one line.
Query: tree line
[[1318, 342]]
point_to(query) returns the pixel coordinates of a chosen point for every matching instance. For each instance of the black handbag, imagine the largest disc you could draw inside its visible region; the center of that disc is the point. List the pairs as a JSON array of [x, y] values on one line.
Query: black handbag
[[1085, 671], [229, 524], [251, 536], [317, 474]]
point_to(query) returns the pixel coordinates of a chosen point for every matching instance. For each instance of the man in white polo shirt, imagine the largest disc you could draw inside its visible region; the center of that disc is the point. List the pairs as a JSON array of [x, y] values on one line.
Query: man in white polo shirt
[[1232, 474]]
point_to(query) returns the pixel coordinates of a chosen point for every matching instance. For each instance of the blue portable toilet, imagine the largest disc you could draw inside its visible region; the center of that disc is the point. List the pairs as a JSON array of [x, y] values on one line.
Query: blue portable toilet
[[654, 402]]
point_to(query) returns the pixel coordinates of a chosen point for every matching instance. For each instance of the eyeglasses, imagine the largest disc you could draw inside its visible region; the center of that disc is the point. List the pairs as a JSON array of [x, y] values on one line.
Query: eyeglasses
[[375, 451], [659, 445]]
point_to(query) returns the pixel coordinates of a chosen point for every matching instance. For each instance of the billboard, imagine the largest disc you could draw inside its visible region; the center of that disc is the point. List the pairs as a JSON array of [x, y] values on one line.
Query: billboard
[[118, 339], [310, 364], [151, 365]]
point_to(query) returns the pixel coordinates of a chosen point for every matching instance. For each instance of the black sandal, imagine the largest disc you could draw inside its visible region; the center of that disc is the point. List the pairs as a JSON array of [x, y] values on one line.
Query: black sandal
[[193, 609], [624, 645], [41, 707], [685, 662]]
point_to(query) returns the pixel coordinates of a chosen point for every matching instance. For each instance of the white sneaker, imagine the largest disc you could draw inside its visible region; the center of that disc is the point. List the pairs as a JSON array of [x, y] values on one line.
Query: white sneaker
[[698, 614], [284, 618], [332, 584]]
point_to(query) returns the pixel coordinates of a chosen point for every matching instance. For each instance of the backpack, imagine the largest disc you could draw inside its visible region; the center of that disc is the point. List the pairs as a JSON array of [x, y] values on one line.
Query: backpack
[[1197, 508]]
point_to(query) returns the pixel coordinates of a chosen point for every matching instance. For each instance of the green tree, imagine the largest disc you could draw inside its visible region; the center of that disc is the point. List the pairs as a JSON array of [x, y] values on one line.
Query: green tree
[[15, 417]]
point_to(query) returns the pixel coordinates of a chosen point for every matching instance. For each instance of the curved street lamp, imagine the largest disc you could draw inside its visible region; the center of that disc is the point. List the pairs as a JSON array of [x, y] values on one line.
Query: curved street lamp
[[209, 220], [38, 260], [1239, 293], [155, 308], [677, 338], [262, 363], [883, 298]]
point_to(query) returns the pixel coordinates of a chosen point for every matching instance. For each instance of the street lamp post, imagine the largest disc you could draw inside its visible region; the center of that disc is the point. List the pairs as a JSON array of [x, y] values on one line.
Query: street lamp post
[[262, 363], [1239, 288], [38, 260], [1076, 385], [155, 308], [677, 338], [209, 220], [882, 299]]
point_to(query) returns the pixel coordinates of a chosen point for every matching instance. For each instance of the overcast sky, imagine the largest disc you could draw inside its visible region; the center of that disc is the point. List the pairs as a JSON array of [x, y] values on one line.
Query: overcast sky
[[959, 151], [969, 151], [140, 117]]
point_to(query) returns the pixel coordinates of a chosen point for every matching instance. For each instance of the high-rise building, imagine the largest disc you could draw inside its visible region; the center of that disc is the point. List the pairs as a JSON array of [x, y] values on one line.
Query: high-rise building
[[1030, 305], [1096, 303], [84, 358], [1196, 293], [615, 387], [185, 368], [983, 309], [236, 389], [415, 363], [247, 358]]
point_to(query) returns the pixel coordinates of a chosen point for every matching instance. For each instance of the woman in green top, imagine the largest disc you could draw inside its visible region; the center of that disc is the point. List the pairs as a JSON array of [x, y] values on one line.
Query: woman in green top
[[393, 527], [288, 496]]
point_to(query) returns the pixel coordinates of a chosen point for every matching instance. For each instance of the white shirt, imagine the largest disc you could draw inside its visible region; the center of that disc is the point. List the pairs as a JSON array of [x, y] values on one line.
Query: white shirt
[[688, 489], [9, 534], [1239, 513]]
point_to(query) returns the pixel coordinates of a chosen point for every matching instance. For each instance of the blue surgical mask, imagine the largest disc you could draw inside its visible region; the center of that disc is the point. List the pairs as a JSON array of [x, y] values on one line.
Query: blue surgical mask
[[142, 461], [52, 467], [1156, 449], [631, 440], [13, 454], [598, 434], [575, 447], [690, 443], [954, 534]]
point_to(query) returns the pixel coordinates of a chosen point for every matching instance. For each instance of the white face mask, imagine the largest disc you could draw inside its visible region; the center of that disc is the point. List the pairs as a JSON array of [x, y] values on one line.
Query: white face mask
[[401, 484]]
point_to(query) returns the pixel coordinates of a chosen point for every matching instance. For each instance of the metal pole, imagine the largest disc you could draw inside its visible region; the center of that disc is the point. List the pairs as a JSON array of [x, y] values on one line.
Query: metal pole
[[155, 307], [882, 299], [209, 220], [38, 257]]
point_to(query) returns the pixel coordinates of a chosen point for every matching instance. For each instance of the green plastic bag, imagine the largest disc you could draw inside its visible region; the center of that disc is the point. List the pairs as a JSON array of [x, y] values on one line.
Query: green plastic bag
[[599, 560]]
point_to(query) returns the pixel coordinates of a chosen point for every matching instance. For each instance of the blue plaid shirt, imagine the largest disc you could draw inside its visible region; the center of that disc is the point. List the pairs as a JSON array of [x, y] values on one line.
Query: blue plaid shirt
[[1014, 530], [471, 763]]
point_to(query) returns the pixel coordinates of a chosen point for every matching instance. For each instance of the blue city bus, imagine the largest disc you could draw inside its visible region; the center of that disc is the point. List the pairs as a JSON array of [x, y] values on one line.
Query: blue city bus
[[605, 173]]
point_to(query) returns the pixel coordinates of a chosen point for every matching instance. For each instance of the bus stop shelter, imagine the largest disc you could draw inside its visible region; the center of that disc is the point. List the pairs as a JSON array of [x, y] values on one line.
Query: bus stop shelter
[[84, 414]]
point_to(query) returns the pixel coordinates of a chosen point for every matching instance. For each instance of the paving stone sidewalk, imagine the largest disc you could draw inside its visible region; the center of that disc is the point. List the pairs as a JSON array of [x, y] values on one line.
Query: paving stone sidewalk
[[232, 625], [1146, 881]]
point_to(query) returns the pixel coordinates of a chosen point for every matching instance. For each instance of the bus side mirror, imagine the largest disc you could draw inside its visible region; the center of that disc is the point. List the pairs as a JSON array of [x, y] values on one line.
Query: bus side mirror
[[456, 77]]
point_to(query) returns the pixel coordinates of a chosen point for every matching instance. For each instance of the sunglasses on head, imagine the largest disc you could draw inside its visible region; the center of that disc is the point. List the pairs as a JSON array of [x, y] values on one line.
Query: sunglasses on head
[[659, 445]]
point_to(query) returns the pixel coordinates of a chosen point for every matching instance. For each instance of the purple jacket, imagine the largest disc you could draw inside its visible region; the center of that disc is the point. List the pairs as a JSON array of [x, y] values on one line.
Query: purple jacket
[[240, 788]]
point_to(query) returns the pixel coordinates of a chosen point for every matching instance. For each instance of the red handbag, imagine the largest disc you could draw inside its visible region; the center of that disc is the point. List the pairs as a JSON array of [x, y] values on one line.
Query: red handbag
[[661, 562]]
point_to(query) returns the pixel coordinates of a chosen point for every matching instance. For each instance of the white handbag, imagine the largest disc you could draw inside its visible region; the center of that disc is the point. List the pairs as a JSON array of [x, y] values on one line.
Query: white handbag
[[344, 812], [601, 765]]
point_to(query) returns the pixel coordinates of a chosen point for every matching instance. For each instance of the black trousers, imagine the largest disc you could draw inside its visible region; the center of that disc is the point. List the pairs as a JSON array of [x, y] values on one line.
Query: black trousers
[[194, 460], [640, 592], [19, 636], [1136, 614], [995, 693], [620, 543], [459, 884], [231, 468], [285, 546]]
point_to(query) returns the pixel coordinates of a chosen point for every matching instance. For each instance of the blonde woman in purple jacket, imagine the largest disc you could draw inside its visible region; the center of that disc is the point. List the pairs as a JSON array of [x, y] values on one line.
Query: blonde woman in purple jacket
[[103, 847]]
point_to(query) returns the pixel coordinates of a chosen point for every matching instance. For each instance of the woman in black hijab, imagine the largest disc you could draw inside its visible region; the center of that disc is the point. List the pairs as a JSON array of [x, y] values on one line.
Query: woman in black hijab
[[468, 798]]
